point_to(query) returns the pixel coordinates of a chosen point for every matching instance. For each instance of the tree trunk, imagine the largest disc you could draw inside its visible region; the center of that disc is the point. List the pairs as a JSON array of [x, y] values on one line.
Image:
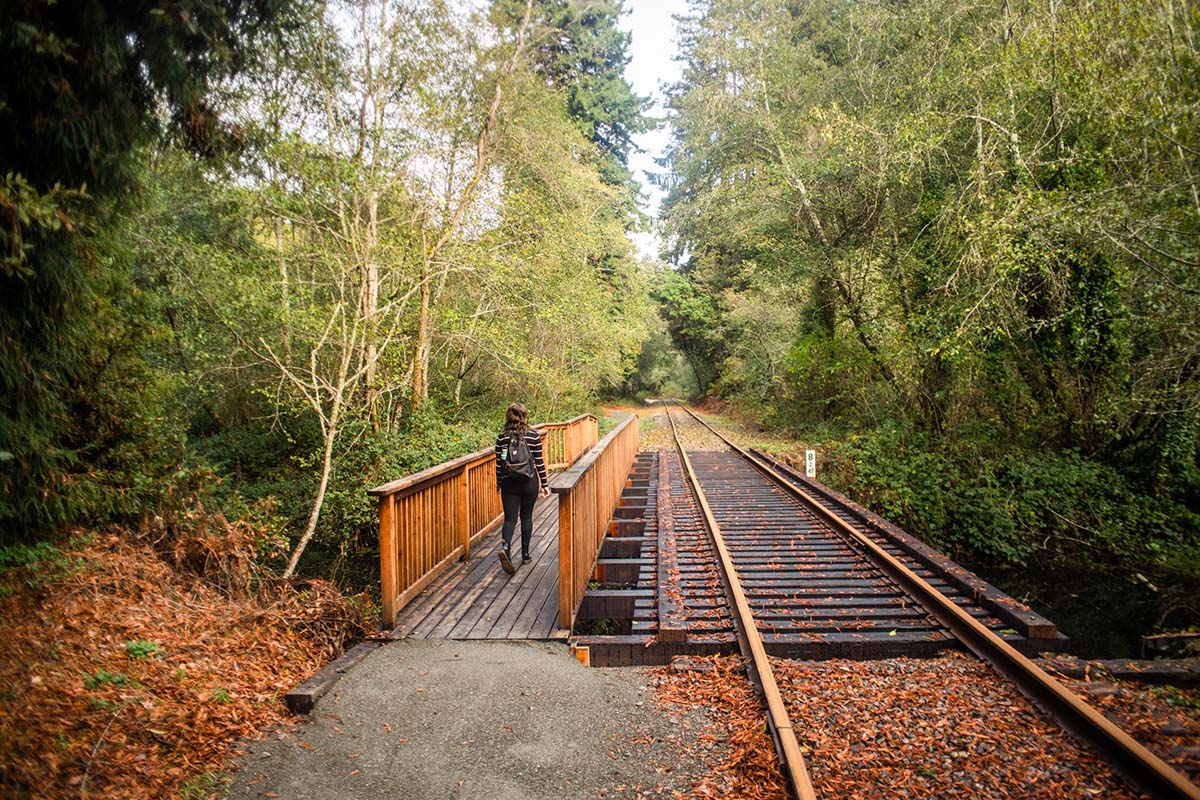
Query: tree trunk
[[371, 303], [311, 528], [284, 294], [420, 384], [825, 300]]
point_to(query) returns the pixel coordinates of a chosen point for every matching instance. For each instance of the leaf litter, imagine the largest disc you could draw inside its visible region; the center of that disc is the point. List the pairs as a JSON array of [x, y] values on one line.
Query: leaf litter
[[85, 713], [900, 728]]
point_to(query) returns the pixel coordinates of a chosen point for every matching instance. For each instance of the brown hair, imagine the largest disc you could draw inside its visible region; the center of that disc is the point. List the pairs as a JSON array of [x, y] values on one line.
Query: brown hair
[[516, 419]]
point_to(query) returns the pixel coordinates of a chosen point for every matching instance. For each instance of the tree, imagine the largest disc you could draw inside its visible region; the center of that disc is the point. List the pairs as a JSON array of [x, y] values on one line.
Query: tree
[[87, 83], [579, 48], [370, 231]]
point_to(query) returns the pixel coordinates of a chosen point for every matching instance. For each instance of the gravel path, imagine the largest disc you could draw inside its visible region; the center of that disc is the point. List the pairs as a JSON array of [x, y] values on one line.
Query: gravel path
[[654, 431], [447, 719]]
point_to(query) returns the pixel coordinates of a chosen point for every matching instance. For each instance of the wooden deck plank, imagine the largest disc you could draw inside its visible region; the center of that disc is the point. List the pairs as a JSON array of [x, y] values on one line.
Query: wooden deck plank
[[478, 625], [416, 612], [538, 585], [467, 593], [546, 620], [523, 583], [525, 627], [456, 595]]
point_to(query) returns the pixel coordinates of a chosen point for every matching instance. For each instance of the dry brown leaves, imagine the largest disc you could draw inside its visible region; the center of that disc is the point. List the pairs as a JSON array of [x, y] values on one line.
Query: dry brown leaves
[[738, 750], [1166, 720], [946, 727], [84, 713], [902, 728]]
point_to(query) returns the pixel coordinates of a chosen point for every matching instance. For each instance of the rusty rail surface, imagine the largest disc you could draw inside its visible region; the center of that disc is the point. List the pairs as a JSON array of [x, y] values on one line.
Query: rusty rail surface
[[430, 519], [587, 493], [1144, 768]]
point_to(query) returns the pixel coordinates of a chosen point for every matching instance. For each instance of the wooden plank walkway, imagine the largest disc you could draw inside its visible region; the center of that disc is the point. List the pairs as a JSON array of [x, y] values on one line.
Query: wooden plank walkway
[[479, 600]]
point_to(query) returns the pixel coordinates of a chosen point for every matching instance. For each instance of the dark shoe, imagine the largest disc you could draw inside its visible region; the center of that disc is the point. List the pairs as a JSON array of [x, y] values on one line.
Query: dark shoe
[[506, 562], [525, 559]]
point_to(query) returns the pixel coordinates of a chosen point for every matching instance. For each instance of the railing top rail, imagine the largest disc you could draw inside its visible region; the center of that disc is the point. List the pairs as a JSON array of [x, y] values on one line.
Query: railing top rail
[[454, 465], [571, 421], [430, 474], [567, 480]]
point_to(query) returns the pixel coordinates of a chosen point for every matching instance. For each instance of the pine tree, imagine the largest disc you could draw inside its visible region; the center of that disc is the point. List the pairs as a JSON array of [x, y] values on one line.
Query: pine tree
[[85, 84]]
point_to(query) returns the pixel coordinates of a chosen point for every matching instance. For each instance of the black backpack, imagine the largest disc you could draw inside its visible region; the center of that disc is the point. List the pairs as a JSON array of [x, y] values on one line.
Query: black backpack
[[518, 461]]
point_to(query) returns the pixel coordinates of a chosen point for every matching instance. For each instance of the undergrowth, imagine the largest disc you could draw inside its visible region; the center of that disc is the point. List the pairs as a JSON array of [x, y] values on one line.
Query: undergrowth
[[135, 661]]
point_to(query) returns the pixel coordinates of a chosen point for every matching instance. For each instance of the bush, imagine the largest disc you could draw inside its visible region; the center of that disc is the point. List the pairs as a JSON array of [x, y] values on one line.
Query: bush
[[1006, 506], [272, 472]]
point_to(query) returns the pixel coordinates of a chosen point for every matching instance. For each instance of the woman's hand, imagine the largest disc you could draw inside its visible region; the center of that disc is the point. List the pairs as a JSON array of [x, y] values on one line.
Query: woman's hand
[[544, 491]]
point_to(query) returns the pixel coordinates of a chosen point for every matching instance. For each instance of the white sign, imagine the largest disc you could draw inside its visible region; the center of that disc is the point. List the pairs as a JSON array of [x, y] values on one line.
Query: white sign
[[810, 463]]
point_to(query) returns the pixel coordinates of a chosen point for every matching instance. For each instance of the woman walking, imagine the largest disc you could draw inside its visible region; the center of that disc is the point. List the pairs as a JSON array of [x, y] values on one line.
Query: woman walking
[[521, 477]]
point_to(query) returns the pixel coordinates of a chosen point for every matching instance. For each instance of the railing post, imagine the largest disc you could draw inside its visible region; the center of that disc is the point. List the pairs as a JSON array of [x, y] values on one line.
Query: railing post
[[389, 585], [566, 560], [464, 511]]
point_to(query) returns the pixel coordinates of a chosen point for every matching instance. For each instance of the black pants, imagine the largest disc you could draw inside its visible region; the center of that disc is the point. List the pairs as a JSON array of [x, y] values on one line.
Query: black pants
[[518, 498]]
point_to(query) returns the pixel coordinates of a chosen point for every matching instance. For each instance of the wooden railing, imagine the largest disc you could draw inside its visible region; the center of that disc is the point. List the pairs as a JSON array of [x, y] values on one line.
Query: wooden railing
[[587, 493], [563, 442], [430, 519]]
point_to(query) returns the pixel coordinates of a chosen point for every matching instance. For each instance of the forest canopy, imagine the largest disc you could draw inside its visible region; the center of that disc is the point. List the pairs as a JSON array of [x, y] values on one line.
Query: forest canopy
[[260, 254], [960, 241]]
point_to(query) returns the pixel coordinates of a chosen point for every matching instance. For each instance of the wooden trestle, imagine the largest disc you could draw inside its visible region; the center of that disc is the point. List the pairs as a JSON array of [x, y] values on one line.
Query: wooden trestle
[[659, 595]]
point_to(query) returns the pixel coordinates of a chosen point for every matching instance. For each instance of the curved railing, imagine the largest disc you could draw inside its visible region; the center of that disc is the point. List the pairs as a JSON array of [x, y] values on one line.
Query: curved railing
[[430, 519]]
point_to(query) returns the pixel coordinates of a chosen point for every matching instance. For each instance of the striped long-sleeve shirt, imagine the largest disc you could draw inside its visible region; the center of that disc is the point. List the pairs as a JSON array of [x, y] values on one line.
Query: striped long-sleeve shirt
[[533, 440]]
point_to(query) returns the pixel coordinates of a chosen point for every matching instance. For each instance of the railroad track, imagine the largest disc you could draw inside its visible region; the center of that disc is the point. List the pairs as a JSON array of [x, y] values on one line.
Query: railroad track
[[798, 566]]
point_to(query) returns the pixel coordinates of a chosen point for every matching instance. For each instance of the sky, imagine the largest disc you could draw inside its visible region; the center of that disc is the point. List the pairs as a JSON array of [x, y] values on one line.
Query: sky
[[651, 66]]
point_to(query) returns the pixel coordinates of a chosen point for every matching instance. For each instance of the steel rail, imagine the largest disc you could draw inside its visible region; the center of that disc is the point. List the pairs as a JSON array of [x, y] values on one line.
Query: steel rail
[[1147, 770], [780, 724]]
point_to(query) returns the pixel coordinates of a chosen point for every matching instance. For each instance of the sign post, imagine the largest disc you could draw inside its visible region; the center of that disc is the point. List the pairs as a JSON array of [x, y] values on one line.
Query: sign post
[[810, 463]]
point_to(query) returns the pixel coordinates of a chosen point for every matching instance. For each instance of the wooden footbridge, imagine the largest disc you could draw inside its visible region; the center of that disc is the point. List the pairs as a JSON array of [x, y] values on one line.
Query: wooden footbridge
[[439, 539]]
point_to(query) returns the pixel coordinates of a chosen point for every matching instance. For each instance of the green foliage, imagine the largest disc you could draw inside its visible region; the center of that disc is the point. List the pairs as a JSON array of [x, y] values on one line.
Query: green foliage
[[369, 460], [104, 678], [23, 555], [271, 476], [661, 371], [1004, 505], [927, 491], [44, 563], [221, 695], [1177, 698], [694, 321], [88, 82], [143, 649], [826, 377]]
